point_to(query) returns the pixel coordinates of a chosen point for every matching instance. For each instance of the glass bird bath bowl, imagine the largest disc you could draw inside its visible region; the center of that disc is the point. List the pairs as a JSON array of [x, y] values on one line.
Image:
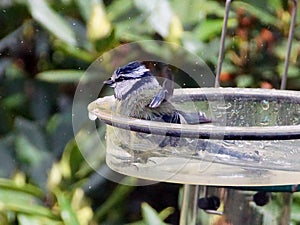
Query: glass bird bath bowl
[[253, 139]]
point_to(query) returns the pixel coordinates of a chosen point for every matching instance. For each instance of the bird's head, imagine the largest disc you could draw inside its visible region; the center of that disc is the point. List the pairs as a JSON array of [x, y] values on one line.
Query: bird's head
[[129, 78]]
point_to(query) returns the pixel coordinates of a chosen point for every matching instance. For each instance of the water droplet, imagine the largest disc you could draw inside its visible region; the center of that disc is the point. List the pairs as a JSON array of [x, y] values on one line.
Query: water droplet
[[228, 143], [265, 121], [265, 104], [295, 121], [4, 10], [213, 108], [261, 145], [224, 106], [74, 24], [293, 151], [219, 115], [22, 42], [92, 116], [240, 144], [298, 109]]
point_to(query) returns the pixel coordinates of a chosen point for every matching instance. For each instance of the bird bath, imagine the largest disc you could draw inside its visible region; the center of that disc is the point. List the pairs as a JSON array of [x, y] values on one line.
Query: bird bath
[[253, 139], [253, 143]]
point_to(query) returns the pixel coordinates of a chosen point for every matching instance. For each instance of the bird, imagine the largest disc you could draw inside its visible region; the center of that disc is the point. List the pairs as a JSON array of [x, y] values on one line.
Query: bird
[[140, 95]]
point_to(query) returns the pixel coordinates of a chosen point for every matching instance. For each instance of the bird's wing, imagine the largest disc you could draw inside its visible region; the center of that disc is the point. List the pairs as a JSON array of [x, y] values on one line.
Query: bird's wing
[[163, 95], [158, 98]]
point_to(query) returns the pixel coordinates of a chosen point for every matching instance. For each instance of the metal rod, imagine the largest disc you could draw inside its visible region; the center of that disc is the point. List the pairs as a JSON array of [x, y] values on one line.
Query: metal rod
[[221, 55], [188, 212], [222, 43], [289, 46]]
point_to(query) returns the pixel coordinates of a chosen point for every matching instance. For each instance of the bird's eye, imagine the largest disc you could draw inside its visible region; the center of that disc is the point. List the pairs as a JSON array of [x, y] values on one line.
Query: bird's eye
[[120, 79]]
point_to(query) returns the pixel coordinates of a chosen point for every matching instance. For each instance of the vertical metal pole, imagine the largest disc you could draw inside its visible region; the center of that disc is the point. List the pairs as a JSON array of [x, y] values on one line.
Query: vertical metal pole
[[222, 43], [289, 46], [287, 197], [188, 213], [193, 191]]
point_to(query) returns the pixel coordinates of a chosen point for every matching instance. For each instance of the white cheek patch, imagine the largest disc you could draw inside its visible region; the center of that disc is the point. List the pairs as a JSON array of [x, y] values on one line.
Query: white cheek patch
[[121, 89], [139, 71]]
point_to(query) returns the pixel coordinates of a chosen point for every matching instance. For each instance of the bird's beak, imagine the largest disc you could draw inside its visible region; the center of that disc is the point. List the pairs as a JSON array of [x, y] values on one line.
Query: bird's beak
[[109, 82]]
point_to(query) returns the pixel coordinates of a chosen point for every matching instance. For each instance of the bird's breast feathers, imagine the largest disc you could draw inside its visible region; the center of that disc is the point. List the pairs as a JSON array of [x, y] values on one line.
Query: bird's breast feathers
[[137, 105]]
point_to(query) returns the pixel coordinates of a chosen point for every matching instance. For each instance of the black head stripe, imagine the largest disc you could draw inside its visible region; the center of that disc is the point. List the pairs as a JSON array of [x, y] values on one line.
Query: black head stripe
[[132, 70], [132, 66]]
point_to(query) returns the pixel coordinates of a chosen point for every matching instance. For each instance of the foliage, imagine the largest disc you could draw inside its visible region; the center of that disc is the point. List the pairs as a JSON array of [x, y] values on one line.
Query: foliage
[[45, 46]]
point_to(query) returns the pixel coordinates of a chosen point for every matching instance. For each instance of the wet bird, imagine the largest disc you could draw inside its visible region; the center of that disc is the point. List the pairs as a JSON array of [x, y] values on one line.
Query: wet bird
[[139, 95]]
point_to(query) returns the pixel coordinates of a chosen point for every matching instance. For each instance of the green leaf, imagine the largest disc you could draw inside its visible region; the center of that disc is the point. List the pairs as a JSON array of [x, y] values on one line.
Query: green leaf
[[244, 81], [276, 4], [14, 101], [118, 195], [75, 52], [210, 28], [151, 217], [84, 7], [165, 213], [36, 162], [295, 216], [20, 202], [60, 123], [25, 188], [71, 160], [191, 12], [293, 70], [25, 219], [32, 150], [52, 21], [32, 133], [8, 163], [60, 76], [27, 153], [67, 212], [118, 9], [106, 43]]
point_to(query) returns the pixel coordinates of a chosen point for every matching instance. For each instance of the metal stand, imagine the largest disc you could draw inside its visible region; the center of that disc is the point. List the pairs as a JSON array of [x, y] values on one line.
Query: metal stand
[[188, 213], [236, 197]]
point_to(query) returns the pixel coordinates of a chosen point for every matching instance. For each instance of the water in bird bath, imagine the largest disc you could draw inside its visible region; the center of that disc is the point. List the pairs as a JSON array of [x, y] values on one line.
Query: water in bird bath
[[238, 148]]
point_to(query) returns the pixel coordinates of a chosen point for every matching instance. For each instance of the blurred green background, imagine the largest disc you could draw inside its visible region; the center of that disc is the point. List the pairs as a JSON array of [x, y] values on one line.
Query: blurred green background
[[46, 45]]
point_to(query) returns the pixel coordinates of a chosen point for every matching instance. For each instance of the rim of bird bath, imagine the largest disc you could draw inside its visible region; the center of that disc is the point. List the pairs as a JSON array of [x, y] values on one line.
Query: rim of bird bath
[[210, 130]]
